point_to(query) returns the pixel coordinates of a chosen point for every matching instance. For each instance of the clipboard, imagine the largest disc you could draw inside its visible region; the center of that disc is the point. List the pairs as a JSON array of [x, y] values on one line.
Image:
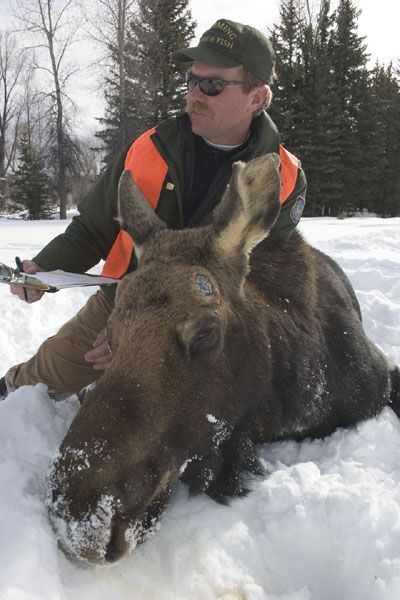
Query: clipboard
[[51, 281]]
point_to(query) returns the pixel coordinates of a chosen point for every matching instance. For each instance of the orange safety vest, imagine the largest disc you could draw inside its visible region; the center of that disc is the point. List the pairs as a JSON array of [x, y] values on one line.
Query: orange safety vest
[[148, 170]]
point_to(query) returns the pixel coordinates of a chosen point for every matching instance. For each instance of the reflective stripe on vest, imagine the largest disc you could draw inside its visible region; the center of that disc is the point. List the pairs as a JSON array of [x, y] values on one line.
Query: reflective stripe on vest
[[148, 170], [289, 171]]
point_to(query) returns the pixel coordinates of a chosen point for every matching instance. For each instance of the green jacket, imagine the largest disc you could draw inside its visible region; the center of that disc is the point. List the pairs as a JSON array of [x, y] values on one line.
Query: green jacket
[[91, 234]]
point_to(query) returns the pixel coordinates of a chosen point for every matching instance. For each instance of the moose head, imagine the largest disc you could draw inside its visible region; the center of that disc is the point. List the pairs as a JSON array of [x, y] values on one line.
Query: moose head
[[189, 361]]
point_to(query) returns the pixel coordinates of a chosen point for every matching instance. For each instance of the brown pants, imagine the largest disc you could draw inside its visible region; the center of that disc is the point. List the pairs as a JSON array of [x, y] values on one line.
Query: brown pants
[[59, 362]]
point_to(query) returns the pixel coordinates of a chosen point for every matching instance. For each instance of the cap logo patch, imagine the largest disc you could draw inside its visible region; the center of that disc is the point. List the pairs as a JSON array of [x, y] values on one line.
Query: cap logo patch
[[211, 39], [221, 41], [226, 29]]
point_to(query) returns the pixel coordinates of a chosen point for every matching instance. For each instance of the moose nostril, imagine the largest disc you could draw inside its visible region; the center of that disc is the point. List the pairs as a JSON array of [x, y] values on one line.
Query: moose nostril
[[118, 546]]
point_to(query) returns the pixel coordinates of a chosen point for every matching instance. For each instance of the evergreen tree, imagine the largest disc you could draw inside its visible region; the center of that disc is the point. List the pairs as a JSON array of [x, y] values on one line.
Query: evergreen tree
[[159, 28], [316, 131], [381, 139], [305, 95], [116, 125], [350, 80], [286, 40], [116, 128], [72, 159], [30, 184], [153, 83], [341, 120]]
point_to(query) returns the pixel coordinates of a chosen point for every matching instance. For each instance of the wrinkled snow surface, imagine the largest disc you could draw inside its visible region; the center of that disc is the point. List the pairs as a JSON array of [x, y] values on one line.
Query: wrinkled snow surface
[[325, 525]]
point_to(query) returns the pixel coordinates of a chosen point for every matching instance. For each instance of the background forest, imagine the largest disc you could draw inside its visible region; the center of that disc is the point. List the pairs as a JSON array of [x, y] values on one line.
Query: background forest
[[338, 114]]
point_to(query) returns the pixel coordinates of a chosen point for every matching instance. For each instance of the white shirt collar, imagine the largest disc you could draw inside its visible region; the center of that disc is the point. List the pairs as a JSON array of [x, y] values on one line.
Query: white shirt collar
[[223, 146]]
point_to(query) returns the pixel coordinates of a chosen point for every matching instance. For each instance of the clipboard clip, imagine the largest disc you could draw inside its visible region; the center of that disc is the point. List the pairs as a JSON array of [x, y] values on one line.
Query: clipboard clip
[[14, 276], [10, 275]]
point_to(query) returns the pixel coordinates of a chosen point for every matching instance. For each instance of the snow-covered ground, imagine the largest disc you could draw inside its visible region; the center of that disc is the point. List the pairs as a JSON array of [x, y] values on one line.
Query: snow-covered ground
[[325, 525]]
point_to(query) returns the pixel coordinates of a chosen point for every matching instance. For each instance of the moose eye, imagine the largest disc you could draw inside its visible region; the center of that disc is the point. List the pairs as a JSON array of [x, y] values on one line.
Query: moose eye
[[205, 338], [202, 334], [199, 336]]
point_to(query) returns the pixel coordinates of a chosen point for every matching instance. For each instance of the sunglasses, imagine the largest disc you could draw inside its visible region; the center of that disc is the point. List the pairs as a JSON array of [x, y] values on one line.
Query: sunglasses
[[210, 86]]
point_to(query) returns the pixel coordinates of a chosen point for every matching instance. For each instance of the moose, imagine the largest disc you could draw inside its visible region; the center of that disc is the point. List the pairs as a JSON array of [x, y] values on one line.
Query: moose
[[221, 340]]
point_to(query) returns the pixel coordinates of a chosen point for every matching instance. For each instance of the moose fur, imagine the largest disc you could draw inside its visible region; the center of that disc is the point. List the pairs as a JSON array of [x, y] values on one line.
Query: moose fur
[[221, 340]]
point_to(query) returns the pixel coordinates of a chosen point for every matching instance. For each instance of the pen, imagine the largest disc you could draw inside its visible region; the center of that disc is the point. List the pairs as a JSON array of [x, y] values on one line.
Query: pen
[[20, 268]]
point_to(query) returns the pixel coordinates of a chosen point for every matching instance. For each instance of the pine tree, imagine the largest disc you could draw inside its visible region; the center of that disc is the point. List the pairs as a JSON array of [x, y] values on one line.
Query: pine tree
[[350, 79], [316, 130], [322, 103], [153, 83], [160, 27], [30, 184], [305, 98], [381, 142], [116, 127], [286, 40]]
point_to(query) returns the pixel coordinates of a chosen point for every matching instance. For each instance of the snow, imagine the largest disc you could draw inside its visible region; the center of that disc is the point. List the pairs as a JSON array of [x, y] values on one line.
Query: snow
[[325, 523]]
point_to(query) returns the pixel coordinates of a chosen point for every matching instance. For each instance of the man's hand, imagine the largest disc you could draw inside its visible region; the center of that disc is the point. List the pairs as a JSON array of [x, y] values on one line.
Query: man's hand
[[31, 295], [101, 355]]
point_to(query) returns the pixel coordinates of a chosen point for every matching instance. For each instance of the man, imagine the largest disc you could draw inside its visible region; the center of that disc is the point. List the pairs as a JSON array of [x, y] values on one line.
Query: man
[[182, 166]]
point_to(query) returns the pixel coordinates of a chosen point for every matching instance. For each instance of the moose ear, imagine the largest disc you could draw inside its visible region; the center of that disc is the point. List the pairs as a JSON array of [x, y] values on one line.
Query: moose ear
[[250, 205], [135, 213]]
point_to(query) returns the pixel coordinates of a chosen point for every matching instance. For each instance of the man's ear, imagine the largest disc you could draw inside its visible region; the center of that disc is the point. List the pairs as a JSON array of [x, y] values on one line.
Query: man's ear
[[135, 213], [249, 207], [259, 95]]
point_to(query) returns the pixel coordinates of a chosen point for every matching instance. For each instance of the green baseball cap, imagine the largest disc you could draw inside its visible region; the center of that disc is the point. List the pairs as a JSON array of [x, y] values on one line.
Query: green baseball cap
[[228, 44]]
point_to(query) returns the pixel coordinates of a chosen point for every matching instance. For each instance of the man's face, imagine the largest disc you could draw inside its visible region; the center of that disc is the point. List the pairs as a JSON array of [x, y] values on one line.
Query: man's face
[[223, 119]]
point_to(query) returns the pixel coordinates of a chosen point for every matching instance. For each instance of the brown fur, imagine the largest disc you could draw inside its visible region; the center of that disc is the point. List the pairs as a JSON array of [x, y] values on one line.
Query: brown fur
[[220, 341]]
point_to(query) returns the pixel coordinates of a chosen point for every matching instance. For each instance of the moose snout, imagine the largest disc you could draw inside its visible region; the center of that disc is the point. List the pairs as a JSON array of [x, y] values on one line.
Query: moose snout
[[88, 530], [99, 537], [95, 526]]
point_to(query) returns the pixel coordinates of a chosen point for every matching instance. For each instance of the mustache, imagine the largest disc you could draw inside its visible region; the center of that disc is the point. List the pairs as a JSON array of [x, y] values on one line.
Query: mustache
[[198, 107]]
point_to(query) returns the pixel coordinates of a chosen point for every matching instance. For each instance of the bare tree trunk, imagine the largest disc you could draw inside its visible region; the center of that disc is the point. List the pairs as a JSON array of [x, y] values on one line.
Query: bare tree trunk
[[50, 21], [121, 63], [50, 32], [49, 29], [10, 106]]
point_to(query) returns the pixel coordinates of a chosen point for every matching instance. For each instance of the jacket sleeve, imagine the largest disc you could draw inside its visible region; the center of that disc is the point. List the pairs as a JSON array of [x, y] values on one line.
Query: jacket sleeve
[[90, 235], [291, 211]]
